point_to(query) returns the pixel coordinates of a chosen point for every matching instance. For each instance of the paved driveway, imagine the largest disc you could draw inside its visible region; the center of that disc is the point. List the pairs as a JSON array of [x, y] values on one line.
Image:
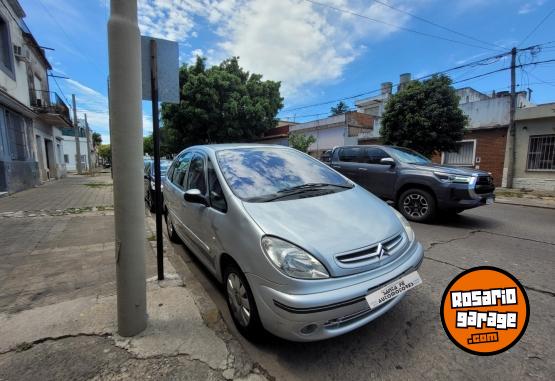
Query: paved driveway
[[409, 342]]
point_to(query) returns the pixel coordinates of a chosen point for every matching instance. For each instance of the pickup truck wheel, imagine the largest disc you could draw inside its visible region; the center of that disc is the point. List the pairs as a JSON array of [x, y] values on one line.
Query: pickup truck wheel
[[241, 303], [417, 205]]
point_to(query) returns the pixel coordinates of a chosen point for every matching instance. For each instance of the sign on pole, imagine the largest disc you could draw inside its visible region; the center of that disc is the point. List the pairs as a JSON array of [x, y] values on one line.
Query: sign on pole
[[160, 76]]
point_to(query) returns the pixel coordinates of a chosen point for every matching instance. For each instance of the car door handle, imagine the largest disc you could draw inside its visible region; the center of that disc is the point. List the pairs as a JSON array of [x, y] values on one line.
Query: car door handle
[[362, 169], [336, 166]]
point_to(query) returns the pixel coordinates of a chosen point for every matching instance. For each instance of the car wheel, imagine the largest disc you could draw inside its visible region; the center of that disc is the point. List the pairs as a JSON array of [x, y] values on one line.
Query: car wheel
[[241, 304], [150, 200], [417, 205], [170, 229]]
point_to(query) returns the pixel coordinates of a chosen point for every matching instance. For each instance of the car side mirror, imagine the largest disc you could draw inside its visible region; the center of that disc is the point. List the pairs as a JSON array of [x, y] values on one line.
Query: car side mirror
[[387, 161], [194, 196]]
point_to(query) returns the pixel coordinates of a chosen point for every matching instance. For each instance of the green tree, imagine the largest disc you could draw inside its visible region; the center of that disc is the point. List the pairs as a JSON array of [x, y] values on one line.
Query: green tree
[[340, 108], [301, 142], [148, 145], [220, 104], [105, 153], [96, 139], [424, 116]]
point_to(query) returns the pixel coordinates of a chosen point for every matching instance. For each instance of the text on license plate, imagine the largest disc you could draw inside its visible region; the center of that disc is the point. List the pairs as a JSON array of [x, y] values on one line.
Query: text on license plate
[[396, 288]]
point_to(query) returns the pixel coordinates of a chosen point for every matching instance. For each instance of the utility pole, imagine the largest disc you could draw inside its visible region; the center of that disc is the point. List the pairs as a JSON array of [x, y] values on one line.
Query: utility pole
[[88, 135], [510, 150], [77, 137], [127, 161]]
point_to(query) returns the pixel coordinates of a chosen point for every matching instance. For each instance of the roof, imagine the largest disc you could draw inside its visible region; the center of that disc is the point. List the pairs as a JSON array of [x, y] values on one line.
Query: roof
[[224, 146]]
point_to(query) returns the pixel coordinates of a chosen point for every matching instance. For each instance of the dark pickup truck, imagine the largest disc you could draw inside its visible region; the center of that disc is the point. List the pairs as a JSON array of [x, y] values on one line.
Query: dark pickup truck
[[419, 188]]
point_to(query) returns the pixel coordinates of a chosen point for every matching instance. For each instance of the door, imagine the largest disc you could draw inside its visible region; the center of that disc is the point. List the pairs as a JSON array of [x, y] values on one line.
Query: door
[[173, 195], [376, 177], [348, 162]]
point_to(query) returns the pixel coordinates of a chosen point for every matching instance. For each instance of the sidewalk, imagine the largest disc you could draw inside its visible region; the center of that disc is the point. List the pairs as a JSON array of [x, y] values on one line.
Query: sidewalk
[[537, 199], [58, 303]]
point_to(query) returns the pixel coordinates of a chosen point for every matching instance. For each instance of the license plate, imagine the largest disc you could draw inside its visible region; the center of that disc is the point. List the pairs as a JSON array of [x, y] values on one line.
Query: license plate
[[396, 288], [489, 201]]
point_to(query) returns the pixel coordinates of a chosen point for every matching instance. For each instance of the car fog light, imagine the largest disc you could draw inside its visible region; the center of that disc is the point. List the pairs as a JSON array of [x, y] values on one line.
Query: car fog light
[[309, 329]]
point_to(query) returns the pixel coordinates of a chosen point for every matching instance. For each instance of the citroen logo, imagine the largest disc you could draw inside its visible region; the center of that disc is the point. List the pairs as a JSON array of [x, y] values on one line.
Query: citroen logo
[[382, 251]]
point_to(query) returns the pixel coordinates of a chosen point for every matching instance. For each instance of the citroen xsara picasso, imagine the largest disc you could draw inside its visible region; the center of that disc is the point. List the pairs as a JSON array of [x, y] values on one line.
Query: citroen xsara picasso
[[302, 251]]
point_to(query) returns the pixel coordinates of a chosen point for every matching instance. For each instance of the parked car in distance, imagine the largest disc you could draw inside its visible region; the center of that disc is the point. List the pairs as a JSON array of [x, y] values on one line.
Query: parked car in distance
[[149, 180], [326, 156], [290, 239], [419, 188]]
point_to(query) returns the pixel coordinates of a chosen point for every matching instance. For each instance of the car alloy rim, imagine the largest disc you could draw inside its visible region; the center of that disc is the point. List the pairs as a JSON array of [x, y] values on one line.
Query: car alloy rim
[[169, 225], [415, 205], [238, 299]]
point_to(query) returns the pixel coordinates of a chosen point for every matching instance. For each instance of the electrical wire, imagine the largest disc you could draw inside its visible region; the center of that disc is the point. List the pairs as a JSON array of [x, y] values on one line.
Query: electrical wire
[[537, 26], [396, 26], [436, 24]]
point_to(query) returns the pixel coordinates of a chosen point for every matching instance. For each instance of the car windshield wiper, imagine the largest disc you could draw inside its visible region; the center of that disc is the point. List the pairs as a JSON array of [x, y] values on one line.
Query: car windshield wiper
[[311, 186]]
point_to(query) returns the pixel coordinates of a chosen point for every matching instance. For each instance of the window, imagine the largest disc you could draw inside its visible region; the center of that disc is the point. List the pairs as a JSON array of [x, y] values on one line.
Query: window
[[196, 178], [6, 55], [217, 199], [374, 155], [464, 156], [17, 134], [350, 154], [541, 153], [66, 159], [180, 169]]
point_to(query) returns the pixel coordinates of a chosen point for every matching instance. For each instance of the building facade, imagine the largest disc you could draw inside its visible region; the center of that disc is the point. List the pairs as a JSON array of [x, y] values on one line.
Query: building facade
[[31, 116], [338, 130], [277, 135]]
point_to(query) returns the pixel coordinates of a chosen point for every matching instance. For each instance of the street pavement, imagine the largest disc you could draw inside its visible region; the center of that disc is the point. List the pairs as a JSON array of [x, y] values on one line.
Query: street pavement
[[58, 298], [409, 342]]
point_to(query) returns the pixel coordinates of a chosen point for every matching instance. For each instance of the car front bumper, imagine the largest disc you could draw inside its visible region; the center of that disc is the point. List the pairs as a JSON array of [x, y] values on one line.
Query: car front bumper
[[330, 312]]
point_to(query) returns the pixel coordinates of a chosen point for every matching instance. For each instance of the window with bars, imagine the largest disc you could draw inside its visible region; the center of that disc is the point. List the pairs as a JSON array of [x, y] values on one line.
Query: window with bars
[[541, 153], [464, 156], [18, 137]]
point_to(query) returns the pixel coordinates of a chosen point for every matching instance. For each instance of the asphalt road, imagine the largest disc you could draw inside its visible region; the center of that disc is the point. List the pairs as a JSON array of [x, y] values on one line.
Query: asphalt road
[[409, 341]]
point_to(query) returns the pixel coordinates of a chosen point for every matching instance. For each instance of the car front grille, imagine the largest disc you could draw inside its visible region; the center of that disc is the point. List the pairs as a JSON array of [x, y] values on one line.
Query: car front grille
[[390, 247], [484, 184]]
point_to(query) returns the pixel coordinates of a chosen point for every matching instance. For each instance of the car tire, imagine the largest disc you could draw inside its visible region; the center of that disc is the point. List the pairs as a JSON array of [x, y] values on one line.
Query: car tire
[[172, 235], [417, 205], [241, 303]]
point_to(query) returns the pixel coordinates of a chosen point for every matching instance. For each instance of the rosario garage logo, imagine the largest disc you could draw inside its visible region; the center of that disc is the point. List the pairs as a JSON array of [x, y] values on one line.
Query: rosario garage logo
[[485, 310]]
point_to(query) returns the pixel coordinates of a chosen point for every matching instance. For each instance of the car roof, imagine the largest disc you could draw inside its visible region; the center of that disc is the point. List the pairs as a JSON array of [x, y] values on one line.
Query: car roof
[[226, 146]]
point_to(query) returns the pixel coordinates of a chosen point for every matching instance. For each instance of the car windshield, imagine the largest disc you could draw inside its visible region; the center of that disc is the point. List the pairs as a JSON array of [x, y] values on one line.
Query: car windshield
[[257, 173], [406, 155]]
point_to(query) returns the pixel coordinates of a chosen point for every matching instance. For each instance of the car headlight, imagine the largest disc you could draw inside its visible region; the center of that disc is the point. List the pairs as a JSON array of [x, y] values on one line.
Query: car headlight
[[447, 177], [406, 225], [292, 260]]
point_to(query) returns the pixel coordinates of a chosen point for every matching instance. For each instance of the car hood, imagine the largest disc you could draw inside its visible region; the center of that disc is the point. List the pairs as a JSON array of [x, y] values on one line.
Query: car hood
[[329, 224], [449, 169]]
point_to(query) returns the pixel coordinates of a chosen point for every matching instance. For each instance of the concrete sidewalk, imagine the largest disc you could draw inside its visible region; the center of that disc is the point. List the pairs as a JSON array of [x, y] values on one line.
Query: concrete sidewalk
[[537, 199], [58, 303]]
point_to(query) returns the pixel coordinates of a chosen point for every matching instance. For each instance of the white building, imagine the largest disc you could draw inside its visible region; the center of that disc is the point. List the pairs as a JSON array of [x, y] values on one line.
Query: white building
[[70, 148], [31, 117]]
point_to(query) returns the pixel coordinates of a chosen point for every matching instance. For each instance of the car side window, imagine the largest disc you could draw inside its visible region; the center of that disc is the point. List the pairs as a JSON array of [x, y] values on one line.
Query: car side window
[[217, 199], [196, 178], [350, 154], [169, 174], [374, 155], [180, 170]]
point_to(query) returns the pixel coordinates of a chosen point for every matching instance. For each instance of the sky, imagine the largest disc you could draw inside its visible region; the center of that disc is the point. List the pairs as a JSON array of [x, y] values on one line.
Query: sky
[[321, 51]]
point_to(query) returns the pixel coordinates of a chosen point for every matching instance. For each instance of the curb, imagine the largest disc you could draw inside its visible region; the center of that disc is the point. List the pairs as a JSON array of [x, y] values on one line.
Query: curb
[[510, 202]]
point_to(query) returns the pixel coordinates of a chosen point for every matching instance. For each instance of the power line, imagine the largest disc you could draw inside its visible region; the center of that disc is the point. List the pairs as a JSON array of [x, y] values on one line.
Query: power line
[[436, 24], [537, 26], [459, 81], [396, 26]]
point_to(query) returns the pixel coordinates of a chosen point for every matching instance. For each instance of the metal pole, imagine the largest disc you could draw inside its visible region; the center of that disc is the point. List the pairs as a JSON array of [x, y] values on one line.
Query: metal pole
[[88, 136], [157, 176], [127, 150], [77, 137], [510, 151]]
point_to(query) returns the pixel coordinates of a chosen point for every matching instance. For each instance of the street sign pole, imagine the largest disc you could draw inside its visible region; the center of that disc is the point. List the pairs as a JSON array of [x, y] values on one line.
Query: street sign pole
[[157, 175]]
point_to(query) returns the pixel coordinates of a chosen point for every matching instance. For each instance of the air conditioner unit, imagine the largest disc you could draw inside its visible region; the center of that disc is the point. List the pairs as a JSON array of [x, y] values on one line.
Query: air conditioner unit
[[17, 52]]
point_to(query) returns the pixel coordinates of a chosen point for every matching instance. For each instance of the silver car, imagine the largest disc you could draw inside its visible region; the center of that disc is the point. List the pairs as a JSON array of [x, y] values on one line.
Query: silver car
[[303, 252]]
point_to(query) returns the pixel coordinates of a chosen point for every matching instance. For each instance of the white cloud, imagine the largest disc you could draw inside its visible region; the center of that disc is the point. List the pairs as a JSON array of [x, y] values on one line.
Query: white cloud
[[530, 6], [294, 41], [95, 104]]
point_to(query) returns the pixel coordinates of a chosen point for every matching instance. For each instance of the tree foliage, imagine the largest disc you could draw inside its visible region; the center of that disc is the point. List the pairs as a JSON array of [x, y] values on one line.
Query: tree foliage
[[338, 109], [301, 142], [96, 139], [148, 145], [105, 152], [424, 116], [220, 104]]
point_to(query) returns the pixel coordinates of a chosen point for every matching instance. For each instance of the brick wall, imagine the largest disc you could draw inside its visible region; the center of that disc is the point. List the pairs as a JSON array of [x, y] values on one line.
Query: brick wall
[[358, 119], [490, 148]]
